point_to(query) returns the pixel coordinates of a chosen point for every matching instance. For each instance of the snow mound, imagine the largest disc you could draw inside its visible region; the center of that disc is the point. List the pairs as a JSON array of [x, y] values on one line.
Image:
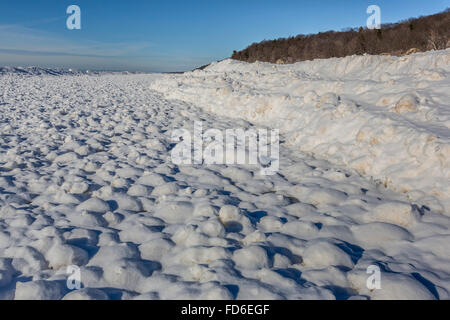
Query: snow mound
[[387, 117]]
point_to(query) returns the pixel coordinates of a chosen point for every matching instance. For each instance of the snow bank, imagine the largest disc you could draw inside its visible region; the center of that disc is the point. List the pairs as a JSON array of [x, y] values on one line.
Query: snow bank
[[387, 117]]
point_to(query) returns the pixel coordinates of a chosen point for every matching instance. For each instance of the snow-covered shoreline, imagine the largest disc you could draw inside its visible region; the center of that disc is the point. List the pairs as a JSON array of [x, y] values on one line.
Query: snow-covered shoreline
[[388, 117], [87, 181]]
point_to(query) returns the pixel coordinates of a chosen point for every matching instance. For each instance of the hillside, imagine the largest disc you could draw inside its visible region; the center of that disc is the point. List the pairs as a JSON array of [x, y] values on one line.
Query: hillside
[[413, 35]]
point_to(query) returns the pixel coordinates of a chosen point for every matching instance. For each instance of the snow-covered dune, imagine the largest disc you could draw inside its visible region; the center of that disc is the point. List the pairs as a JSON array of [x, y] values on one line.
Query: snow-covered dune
[[387, 117]]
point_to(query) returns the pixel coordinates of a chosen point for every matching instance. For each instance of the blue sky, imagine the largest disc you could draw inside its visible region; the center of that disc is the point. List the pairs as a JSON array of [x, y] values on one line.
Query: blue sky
[[172, 35]]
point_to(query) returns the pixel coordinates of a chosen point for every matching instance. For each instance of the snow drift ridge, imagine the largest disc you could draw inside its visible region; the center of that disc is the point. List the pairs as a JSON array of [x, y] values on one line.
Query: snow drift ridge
[[387, 117]]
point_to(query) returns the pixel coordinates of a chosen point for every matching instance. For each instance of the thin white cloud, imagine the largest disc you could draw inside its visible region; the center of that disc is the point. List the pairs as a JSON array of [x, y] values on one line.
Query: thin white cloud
[[24, 45], [17, 37]]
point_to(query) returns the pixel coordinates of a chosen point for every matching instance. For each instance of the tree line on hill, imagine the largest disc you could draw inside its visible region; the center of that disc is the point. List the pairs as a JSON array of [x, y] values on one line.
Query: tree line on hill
[[409, 36]]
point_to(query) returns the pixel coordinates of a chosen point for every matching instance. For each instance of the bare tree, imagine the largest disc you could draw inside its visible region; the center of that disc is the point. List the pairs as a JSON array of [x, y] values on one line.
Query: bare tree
[[412, 35]]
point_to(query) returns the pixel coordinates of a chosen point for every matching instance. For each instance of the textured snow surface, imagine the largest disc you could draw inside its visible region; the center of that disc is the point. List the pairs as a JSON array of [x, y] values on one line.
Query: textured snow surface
[[36, 71], [387, 117], [86, 179]]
